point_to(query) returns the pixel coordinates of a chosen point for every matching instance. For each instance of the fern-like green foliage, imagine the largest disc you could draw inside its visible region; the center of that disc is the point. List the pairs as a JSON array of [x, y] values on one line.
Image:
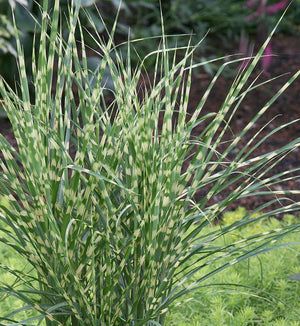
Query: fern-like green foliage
[[257, 291]]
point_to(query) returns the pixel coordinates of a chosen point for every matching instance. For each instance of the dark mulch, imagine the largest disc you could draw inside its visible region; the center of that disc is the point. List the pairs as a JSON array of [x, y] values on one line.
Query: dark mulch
[[285, 109]]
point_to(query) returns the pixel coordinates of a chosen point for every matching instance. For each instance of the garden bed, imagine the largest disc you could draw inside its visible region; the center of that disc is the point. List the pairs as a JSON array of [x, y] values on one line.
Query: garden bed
[[114, 234]]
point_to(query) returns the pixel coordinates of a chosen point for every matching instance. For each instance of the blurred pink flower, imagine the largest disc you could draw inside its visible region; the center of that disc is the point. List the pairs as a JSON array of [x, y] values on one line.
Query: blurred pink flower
[[263, 8], [251, 3], [266, 60], [244, 49], [273, 9]]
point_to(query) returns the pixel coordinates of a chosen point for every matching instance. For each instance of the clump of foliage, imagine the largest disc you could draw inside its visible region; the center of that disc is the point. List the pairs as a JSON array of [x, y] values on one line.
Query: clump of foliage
[[99, 198]]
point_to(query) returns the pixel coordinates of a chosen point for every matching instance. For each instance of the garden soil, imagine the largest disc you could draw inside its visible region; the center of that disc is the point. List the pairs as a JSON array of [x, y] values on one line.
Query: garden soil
[[286, 62], [285, 109]]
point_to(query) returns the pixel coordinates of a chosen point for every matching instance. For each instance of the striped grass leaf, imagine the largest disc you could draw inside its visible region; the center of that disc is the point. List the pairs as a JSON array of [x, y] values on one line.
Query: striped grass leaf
[[102, 193]]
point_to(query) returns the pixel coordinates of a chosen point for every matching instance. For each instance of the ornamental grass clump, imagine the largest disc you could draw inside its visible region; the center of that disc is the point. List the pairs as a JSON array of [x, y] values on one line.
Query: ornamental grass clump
[[99, 196]]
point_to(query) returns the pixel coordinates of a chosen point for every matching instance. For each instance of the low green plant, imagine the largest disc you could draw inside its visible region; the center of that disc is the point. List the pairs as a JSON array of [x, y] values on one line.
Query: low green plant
[[101, 194], [12, 260], [255, 292]]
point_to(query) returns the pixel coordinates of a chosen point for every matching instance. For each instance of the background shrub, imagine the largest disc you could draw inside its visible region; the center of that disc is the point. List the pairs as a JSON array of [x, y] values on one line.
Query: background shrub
[[223, 19]]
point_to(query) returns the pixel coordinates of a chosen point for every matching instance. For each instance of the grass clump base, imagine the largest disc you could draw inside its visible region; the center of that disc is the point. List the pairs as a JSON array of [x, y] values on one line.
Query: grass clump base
[[255, 292]]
